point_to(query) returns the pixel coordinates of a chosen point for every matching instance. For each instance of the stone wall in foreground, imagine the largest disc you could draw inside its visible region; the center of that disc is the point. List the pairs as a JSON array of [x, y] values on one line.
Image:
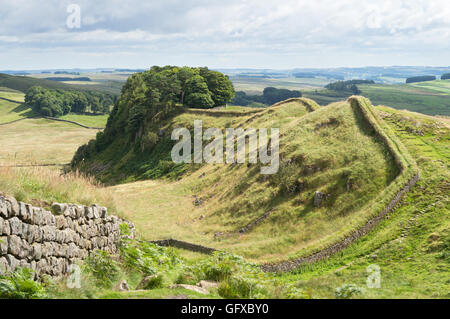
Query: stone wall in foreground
[[49, 242]]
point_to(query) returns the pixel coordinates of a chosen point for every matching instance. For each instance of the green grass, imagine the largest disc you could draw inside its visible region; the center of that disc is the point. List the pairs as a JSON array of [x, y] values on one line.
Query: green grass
[[336, 142], [414, 266], [41, 141], [11, 111], [416, 97], [257, 85], [88, 120]]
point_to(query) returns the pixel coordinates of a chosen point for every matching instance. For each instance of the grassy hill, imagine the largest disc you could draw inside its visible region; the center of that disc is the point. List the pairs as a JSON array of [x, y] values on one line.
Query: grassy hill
[[23, 83], [333, 150], [432, 97], [411, 245]]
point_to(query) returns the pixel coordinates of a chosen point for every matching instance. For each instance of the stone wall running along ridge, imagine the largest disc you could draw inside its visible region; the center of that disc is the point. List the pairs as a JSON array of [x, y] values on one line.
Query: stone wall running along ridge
[[49, 243]]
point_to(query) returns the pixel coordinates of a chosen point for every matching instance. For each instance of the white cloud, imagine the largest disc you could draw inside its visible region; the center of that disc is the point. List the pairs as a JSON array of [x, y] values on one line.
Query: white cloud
[[290, 31]]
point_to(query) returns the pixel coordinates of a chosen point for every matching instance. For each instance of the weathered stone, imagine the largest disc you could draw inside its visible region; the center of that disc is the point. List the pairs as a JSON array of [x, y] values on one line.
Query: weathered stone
[[13, 262], [26, 251], [122, 286], [103, 212], [16, 226], [47, 249], [97, 211], [49, 233], [88, 213], [4, 266], [6, 229], [24, 264], [59, 209], [23, 211], [14, 245], [3, 209], [28, 218], [60, 222], [37, 251], [42, 266], [79, 210], [3, 245], [37, 216], [318, 197], [24, 230], [13, 206], [32, 233]]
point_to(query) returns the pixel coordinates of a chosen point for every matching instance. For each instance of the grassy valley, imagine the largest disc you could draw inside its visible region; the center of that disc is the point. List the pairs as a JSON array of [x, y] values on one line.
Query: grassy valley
[[332, 149]]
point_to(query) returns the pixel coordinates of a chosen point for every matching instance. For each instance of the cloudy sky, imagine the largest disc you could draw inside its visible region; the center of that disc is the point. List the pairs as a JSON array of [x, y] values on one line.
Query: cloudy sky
[[247, 33]]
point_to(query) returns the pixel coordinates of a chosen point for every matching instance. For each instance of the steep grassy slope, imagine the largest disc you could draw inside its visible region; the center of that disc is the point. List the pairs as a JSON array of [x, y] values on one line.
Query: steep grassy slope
[[412, 245], [333, 150]]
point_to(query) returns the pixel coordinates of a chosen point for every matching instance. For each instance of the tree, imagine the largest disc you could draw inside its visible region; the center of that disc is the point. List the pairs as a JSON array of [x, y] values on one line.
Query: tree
[[197, 93], [222, 91]]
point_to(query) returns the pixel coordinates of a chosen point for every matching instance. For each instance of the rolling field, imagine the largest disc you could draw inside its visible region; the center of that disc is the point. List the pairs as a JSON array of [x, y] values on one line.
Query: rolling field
[[427, 97], [41, 141], [37, 140], [257, 85], [411, 247]]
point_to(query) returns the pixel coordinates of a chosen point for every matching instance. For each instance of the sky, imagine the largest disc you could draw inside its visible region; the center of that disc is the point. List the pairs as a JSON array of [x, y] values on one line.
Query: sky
[[280, 34]]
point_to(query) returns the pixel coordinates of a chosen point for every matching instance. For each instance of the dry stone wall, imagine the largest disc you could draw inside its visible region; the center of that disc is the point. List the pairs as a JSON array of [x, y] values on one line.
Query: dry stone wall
[[49, 242]]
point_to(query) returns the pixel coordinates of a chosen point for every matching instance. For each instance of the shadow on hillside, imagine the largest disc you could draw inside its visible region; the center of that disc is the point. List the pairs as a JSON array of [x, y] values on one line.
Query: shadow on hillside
[[21, 108]]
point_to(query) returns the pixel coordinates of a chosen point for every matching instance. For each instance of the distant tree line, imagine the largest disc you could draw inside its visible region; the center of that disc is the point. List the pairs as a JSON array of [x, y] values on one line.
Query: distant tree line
[[66, 72], [270, 96], [422, 78], [349, 86], [56, 102], [445, 76], [62, 79]]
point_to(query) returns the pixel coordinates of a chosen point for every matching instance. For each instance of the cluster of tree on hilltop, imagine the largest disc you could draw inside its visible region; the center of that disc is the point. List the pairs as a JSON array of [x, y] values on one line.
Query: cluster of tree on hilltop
[[150, 97], [270, 96], [349, 86], [421, 78], [56, 102], [445, 76]]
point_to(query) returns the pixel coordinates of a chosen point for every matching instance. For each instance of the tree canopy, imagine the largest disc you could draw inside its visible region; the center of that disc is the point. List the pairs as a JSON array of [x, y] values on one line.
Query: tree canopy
[[150, 97], [50, 102], [270, 96], [421, 78]]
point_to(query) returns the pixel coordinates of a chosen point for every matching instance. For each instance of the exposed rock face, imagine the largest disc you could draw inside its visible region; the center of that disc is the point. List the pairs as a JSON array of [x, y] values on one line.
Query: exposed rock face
[[123, 286], [49, 243]]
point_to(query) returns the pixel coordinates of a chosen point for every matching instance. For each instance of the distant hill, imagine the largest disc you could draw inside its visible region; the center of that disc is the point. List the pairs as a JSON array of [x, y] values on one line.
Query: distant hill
[[23, 83]]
